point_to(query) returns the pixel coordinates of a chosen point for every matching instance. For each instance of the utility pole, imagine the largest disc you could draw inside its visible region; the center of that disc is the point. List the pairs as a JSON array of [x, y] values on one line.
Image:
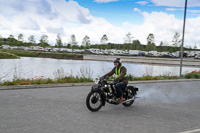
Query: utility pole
[[183, 40]]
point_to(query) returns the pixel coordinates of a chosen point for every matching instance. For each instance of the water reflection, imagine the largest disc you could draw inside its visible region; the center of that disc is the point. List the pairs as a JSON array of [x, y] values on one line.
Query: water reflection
[[28, 67]]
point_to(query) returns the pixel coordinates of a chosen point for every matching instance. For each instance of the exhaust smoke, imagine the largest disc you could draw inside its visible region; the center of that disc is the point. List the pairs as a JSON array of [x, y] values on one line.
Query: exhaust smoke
[[166, 93]]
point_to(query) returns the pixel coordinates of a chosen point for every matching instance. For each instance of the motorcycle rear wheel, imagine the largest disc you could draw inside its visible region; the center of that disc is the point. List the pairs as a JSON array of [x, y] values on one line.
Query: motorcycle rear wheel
[[131, 94], [94, 101]]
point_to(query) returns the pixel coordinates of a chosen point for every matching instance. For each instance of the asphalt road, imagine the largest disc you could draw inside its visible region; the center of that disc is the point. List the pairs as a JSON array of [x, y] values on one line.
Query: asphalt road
[[162, 108]]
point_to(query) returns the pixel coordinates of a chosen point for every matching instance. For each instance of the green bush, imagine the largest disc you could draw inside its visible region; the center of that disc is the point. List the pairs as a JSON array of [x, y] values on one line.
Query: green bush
[[192, 75], [148, 77], [196, 75], [21, 52], [5, 55]]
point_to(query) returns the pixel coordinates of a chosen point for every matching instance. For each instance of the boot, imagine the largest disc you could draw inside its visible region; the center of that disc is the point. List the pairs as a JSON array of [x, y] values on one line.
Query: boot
[[121, 100]]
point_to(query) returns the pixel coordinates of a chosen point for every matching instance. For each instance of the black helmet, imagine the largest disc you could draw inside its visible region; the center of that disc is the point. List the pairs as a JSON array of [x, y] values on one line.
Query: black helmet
[[117, 60]]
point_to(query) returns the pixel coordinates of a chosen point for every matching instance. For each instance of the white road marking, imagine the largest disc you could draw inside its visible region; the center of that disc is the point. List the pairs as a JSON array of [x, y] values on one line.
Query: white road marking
[[191, 131]]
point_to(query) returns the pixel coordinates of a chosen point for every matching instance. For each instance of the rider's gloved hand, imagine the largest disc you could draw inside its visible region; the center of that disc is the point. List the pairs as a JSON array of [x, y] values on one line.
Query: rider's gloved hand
[[116, 81], [101, 78], [107, 78]]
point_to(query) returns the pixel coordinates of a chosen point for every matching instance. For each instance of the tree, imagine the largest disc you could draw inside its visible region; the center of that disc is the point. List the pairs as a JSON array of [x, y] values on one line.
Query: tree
[[1, 40], [128, 38], [161, 43], [44, 41], [104, 39], [176, 41], [136, 45], [11, 37], [150, 38], [31, 40], [59, 43], [73, 40], [150, 42], [68, 45], [86, 41], [20, 39], [160, 47], [11, 40], [195, 46]]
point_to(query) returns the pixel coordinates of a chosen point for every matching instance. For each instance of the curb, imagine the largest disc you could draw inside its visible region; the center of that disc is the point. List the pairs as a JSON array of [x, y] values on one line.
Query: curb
[[15, 87]]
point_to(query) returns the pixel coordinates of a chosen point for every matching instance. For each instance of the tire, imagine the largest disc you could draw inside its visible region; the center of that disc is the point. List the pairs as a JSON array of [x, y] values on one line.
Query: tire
[[131, 94], [92, 99]]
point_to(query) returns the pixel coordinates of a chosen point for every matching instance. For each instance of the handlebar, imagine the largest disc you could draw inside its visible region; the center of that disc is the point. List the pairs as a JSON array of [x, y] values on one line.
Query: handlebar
[[107, 79]]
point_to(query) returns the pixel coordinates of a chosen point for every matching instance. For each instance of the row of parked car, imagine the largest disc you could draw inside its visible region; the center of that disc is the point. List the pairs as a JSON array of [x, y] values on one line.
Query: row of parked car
[[107, 51], [145, 53]]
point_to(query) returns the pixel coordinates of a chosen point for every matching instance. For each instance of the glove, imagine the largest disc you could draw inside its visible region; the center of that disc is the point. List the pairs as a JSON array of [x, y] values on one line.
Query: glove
[[101, 78], [116, 81], [107, 78]]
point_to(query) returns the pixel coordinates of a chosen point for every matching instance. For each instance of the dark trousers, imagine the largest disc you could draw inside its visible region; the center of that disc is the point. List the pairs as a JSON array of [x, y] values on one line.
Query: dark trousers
[[119, 87]]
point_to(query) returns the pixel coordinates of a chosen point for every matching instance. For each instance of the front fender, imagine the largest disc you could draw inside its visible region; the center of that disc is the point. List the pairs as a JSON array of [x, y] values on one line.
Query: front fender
[[96, 88]]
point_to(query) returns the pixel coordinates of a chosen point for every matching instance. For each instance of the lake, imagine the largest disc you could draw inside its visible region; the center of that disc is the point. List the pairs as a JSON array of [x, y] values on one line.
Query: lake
[[28, 67]]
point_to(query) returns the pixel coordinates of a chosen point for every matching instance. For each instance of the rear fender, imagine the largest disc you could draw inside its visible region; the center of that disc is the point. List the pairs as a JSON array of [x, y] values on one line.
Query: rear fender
[[133, 89]]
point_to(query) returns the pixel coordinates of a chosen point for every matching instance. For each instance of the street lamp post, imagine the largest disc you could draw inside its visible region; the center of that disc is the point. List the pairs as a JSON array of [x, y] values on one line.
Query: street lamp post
[[183, 40]]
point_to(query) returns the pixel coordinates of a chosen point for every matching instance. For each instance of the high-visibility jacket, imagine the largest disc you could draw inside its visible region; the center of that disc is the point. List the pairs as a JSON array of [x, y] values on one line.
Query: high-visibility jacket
[[118, 73]]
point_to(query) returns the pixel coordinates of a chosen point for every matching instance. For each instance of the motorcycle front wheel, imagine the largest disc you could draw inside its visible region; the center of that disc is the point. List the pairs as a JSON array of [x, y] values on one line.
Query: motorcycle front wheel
[[94, 101]]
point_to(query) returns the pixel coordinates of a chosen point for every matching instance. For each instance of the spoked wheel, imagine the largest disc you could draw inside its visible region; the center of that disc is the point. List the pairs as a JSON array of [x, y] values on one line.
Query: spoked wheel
[[94, 101], [130, 96]]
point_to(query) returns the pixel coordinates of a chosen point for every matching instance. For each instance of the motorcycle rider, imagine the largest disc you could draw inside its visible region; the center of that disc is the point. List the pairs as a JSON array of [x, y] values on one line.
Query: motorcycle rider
[[122, 78]]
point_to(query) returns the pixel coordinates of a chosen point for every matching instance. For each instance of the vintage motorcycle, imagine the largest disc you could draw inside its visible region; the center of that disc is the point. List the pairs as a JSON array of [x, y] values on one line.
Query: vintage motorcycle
[[104, 91]]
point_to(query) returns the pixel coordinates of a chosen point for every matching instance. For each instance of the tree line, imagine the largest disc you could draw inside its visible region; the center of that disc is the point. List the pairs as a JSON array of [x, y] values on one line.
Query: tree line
[[129, 43]]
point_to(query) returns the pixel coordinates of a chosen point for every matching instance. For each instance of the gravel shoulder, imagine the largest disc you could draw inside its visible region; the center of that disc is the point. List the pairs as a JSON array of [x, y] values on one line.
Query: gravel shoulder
[[145, 60]]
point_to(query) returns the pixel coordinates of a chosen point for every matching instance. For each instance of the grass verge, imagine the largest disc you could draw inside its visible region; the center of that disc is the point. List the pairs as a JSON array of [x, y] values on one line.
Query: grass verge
[[69, 79], [76, 79], [147, 77], [23, 53], [5, 55]]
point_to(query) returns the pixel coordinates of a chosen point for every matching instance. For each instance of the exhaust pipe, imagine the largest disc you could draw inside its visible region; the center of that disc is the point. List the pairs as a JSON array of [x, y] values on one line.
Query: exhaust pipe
[[132, 99], [129, 100]]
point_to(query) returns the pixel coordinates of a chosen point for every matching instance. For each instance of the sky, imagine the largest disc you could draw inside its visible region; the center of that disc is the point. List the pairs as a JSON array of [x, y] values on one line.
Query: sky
[[94, 18]]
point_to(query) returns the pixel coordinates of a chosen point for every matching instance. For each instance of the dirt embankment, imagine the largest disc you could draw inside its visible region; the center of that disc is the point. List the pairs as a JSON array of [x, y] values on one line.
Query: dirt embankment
[[61, 57], [56, 55], [145, 60]]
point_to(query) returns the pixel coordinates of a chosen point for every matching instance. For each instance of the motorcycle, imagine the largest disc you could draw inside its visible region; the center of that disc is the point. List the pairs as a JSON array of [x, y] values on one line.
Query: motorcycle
[[104, 91]]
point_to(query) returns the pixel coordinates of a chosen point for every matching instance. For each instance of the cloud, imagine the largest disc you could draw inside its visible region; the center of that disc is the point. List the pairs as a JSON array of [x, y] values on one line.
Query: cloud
[[55, 30], [137, 10], [176, 3], [142, 2], [174, 9], [105, 1], [59, 16], [67, 18], [164, 26], [41, 17], [194, 11], [83, 18]]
